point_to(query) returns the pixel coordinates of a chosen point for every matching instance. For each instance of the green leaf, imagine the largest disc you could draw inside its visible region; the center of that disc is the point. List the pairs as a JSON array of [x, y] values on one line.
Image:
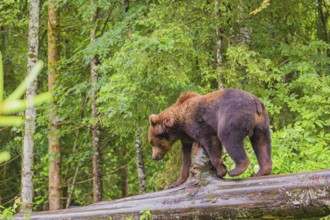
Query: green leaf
[[4, 156], [10, 121], [28, 80], [19, 105]]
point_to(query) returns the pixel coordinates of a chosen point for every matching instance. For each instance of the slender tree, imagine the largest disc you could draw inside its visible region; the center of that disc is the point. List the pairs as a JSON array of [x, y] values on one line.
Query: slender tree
[[140, 163], [218, 43], [244, 33], [323, 18], [324, 15], [55, 194], [95, 127], [123, 173], [125, 5], [30, 112]]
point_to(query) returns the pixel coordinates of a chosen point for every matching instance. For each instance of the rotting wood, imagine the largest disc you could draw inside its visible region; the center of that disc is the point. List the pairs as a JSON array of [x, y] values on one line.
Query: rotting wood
[[204, 196]]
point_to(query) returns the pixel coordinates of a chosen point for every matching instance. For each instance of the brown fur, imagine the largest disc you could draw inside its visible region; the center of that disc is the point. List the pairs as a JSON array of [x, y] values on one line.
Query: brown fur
[[185, 96], [224, 117]]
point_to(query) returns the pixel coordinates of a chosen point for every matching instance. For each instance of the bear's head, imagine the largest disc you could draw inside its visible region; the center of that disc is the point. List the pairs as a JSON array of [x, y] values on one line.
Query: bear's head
[[159, 135]]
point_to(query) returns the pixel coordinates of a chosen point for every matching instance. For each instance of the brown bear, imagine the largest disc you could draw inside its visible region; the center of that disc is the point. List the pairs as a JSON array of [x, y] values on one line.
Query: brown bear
[[224, 117]]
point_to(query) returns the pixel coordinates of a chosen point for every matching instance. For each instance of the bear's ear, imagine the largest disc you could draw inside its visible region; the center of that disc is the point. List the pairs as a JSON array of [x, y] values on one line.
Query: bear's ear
[[168, 122], [153, 119]]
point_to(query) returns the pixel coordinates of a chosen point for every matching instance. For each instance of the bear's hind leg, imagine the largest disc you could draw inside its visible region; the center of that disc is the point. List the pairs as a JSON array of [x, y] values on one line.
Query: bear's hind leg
[[233, 142], [260, 141]]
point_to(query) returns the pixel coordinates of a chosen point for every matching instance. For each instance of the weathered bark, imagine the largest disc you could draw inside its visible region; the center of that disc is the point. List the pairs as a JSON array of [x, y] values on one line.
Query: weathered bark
[[95, 127], [55, 194], [204, 196], [140, 163], [218, 44], [30, 112]]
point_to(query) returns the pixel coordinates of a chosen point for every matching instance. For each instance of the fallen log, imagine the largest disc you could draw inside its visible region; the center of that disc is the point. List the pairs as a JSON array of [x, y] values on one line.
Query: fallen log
[[205, 196]]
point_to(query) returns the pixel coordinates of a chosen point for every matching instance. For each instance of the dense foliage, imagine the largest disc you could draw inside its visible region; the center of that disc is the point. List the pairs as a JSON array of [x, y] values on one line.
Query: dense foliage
[[151, 51]]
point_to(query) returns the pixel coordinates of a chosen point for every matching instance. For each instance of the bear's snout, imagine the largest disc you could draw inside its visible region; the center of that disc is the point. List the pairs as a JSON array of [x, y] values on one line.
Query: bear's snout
[[157, 157]]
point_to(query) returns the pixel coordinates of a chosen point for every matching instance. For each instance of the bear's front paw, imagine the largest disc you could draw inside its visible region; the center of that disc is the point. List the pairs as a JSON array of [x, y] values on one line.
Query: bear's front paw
[[221, 171]]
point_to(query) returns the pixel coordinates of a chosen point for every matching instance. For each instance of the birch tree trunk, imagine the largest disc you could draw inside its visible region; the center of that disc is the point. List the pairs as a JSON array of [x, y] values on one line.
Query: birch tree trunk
[[140, 163], [30, 112], [218, 43], [95, 127], [55, 194]]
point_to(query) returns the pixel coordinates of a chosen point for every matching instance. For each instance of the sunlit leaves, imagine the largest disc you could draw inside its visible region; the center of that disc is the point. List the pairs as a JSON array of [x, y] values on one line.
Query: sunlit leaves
[[10, 13], [264, 5], [146, 72]]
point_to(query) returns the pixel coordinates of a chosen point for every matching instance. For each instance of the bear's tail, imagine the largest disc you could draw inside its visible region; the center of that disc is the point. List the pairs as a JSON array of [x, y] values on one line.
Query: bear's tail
[[260, 107]]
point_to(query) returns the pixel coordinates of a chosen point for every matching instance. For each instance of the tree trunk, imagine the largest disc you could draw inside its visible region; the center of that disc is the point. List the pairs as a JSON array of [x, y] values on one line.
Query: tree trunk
[[218, 44], [140, 163], [55, 194], [323, 18], [30, 112], [125, 5], [124, 181], [204, 196], [244, 34], [97, 168]]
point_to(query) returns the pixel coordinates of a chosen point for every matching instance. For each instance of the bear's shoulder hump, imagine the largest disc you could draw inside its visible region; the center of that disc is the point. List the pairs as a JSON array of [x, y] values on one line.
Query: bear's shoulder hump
[[185, 96]]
